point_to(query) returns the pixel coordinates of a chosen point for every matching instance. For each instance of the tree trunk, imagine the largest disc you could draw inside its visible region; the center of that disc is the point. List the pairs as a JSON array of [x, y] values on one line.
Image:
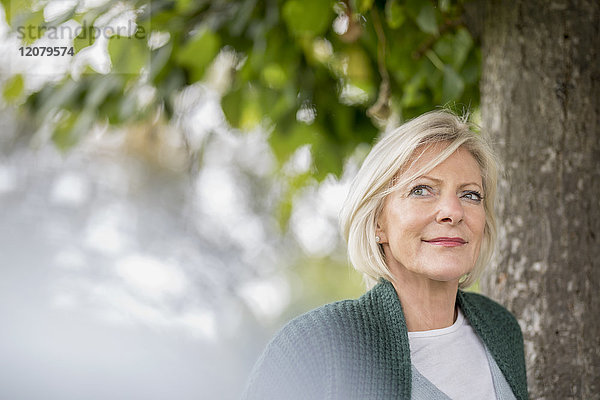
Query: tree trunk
[[540, 95]]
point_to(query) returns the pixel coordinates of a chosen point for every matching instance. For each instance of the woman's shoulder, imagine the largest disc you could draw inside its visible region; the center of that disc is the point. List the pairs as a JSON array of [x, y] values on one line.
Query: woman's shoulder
[[328, 319], [339, 327], [299, 359]]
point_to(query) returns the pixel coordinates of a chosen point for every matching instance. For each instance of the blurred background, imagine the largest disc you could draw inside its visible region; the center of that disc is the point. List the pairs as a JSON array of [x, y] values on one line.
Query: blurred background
[[171, 172]]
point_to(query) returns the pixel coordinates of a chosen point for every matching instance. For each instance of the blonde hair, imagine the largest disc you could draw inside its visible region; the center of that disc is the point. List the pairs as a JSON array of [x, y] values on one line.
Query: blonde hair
[[381, 174]]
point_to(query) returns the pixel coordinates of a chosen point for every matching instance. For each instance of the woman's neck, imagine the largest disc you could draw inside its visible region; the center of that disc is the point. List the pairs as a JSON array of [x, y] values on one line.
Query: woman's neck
[[427, 304]]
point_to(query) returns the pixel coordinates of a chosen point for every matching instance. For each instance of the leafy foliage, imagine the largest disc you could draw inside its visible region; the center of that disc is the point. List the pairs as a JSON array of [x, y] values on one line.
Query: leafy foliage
[[318, 72]]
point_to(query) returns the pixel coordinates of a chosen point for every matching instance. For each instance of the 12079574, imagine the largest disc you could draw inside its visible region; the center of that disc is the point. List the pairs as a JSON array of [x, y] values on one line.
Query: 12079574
[[46, 51]]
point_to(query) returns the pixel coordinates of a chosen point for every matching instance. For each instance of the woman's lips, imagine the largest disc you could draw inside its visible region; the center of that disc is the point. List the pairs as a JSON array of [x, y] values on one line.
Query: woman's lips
[[447, 241]]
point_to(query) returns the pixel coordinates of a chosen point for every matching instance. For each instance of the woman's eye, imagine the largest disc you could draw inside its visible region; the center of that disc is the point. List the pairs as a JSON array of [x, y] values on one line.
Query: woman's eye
[[473, 195], [421, 190]]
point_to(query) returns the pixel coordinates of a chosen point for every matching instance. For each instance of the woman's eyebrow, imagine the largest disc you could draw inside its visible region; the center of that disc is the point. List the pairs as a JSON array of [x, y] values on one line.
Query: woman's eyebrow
[[472, 183], [431, 178]]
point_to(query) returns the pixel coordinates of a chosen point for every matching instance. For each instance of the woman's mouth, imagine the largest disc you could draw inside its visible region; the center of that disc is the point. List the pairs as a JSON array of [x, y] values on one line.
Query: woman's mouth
[[447, 241]]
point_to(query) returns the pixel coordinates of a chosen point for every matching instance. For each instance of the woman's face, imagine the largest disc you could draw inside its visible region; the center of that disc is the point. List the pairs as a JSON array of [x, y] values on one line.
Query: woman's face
[[433, 227]]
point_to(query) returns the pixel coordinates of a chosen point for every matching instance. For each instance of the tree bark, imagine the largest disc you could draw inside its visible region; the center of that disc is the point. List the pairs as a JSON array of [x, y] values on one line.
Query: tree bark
[[540, 94]]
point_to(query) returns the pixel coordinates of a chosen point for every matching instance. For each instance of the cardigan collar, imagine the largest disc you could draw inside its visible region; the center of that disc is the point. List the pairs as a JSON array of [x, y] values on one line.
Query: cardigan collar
[[387, 310]]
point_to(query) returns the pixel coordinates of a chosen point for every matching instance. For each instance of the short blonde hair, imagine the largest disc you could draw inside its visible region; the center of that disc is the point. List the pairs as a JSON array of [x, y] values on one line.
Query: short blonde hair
[[380, 174]]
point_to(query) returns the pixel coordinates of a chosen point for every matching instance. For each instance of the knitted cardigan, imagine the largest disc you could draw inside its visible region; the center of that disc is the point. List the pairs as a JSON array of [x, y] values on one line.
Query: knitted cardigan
[[359, 349]]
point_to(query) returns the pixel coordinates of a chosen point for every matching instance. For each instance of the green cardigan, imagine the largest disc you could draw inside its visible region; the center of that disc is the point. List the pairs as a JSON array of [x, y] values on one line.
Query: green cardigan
[[359, 349]]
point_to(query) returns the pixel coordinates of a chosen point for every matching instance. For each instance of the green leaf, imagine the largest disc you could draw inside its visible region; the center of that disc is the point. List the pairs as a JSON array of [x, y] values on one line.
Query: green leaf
[[62, 135], [285, 143], [463, 43], [244, 108], [88, 33], [50, 98], [165, 19], [72, 127], [252, 112], [159, 60], [453, 49], [284, 211], [128, 54], [444, 5], [327, 156], [32, 28], [327, 159], [184, 6], [434, 79], [471, 71], [99, 90], [395, 15], [243, 16], [285, 207], [307, 17], [413, 7], [18, 11], [413, 90], [13, 88], [358, 69], [400, 59], [362, 6], [453, 85], [86, 37], [426, 20], [231, 104], [274, 76], [279, 104], [198, 53]]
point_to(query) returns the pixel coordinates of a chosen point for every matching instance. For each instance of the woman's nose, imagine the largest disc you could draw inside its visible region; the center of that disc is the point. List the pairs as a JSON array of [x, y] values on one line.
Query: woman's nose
[[450, 210]]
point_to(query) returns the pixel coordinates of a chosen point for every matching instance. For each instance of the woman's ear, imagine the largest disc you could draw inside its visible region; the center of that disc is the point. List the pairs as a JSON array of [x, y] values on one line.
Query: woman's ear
[[380, 233]]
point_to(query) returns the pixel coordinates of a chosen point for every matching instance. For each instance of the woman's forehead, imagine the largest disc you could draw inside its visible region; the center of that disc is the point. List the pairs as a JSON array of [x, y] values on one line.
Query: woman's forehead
[[431, 158]]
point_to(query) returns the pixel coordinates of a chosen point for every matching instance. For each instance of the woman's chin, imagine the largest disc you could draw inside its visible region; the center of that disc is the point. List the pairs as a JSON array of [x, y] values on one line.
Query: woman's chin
[[439, 273], [448, 268], [446, 273]]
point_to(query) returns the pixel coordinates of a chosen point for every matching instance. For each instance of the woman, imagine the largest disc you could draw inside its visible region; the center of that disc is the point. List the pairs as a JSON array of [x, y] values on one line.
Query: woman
[[420, 225]]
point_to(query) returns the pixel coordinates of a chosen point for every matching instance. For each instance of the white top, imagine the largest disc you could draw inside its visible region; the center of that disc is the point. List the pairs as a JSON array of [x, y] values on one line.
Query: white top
[[454, 360]]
